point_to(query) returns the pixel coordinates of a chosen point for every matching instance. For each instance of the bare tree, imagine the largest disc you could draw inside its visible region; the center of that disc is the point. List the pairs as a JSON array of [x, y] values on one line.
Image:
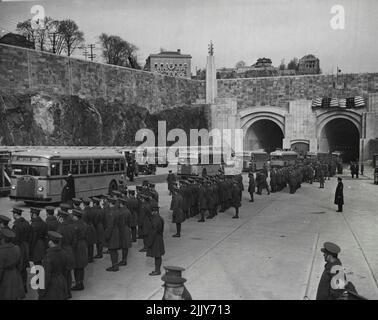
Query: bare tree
[[282, 65], [119, 52], [72, 37], [240, 64], [25, 29]]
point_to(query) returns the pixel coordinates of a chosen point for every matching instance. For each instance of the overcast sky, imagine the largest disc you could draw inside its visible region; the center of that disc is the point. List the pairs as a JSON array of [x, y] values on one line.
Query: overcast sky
[[240, 29]]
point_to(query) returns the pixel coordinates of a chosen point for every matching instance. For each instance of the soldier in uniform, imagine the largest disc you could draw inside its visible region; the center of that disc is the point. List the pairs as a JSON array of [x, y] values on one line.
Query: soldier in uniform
[[124, 230], [171, 271], [23, 231], [292, 182], [155, 242], [236, 200], [339, 195], [11, 283], [66, 229], [133, 206], [51, 219], [80, 249], [325, 290], [273, 180], [251, 185], [89, 217], [171, 179], [321, 178], [98, 222], [112, 236], [202, 200], [146, 220], [210, 199], [38, 237], [310, 174], [55, 266], [178, 216]]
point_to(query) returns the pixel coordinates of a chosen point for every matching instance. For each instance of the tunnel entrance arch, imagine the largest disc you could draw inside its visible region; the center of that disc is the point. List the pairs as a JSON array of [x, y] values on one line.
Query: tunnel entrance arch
[[340, 134], [263, 134]]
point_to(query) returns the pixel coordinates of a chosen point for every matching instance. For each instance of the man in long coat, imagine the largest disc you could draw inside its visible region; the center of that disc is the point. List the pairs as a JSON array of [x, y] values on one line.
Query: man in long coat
[[11, 284], [55, 266], [112, 237], [202, 201], [69, 189], [171, 179], [178, 216], [339, 195], [51, 220], [133, 206], [155, 242], [99, 224], [236, 200], [23, 233], [124, 230], [80, 249], [38, 237], [251, 185], [66, 229], [89, 217]]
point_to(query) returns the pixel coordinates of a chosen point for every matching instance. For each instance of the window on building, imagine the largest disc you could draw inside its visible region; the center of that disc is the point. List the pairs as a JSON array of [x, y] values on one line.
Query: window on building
[[55, 169], [74, 166], [97, 166], [66, 167], [83, 167]]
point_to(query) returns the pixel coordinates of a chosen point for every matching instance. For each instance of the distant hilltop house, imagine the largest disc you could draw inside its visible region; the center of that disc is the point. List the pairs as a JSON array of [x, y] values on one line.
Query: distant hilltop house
[[263, 67], [170, 63], [309, 64], [17, 40]]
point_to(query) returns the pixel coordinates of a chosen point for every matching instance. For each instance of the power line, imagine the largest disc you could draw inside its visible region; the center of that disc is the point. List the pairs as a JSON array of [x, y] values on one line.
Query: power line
[[91, 47]]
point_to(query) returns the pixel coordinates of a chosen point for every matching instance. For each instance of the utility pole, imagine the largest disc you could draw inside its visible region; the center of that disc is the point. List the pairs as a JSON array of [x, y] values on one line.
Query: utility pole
[[92, 55], [53, 41], [85, 52]]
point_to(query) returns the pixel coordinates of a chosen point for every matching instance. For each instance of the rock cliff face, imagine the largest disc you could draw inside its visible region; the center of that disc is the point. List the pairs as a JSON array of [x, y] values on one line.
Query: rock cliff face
[[48, 119]]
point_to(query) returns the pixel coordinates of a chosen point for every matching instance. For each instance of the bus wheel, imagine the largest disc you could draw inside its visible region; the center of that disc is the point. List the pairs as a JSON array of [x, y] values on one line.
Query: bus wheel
[[112, 186]]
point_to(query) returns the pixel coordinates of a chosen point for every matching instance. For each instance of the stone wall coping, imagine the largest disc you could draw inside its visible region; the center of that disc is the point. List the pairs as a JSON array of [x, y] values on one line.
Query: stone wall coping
[[97, 63]]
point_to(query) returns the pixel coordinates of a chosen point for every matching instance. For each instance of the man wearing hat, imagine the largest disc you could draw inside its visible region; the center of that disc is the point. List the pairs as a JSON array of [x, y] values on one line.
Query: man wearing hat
[[251, 185], [38, 237], [11, 283], [55, 266], [123, 223], [236, 199], [69, 189], [171, 179], [145, 220], [80, 249], [178, 216], [51, 220], [66, 229], [89, 216], [173, 287], [339, 195], [202, 200], [112, 237], [23, 232], [155, 242], [330, 253], [172, 271], [133, 205], [99, 222]]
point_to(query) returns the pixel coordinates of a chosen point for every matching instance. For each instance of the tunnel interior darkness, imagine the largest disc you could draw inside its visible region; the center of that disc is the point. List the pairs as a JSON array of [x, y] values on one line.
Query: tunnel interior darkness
[[263, 134], [341, 135]]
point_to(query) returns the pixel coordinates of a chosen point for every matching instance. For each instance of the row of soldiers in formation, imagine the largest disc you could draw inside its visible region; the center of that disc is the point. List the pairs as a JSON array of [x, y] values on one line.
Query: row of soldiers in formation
[[65, 242]]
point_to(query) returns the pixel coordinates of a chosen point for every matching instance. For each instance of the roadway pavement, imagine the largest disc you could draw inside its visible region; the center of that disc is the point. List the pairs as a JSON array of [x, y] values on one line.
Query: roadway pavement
[[271, 252]]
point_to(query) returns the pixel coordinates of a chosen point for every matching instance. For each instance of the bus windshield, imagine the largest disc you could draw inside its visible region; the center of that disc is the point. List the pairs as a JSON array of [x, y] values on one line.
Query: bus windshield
[[36, 171]]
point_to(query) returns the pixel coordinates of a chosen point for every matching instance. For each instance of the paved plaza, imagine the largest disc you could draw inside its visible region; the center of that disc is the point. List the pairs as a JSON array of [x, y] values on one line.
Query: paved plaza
[[271, 252]]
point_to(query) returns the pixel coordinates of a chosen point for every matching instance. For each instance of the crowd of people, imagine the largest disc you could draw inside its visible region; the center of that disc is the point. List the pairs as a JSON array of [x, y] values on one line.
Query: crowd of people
[[74, 236]]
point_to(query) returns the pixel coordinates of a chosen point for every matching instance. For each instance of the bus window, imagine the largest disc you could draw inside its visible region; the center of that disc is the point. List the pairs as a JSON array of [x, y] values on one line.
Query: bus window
[[35, 171], [97, 165], [74, 166], [116, 164], [83, 167], [104, 165], [55, 169], [110, 165], [66, 167], [90, 166]]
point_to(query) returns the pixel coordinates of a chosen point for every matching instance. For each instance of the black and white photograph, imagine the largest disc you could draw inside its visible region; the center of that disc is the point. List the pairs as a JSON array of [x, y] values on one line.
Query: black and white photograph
[[214, 150]]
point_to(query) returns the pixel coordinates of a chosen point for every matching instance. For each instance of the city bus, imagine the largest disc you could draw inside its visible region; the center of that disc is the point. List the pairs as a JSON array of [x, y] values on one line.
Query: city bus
[[259, 158], [38, 176], [281, 158], [5, 158]]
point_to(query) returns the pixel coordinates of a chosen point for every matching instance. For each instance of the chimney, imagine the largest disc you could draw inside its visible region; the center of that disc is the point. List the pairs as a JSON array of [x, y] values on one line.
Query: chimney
[[179, 51]]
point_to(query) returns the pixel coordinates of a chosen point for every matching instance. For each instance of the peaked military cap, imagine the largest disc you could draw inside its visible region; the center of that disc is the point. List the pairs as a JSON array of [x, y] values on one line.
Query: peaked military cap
[[173, 271], [330, 247], [87, 201], [96, 200], [62, 213], [173, 280], [17, 211], [53, 235], [77, 213], [65, 206], [35, 211], [76, 201], [117, 193], [50, 209]]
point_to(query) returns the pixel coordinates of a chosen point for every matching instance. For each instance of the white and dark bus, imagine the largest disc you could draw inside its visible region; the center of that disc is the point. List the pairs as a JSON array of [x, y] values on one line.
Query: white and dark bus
[[38, 176], [281, 158]]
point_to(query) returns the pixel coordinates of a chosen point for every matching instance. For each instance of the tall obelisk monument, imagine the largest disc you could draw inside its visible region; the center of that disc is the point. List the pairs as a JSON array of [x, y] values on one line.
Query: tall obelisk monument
[[211, 78]]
